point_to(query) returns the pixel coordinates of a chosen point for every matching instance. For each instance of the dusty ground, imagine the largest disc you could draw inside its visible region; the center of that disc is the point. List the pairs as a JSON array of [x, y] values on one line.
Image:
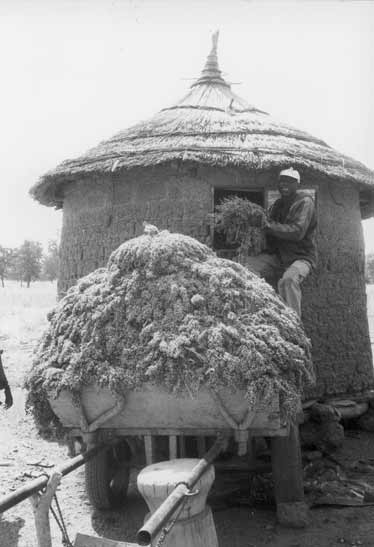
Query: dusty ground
[[23, 455]]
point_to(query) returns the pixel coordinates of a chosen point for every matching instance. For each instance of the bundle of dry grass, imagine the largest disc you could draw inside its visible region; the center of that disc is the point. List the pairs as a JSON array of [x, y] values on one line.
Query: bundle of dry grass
[[167, 311], [243, 223]]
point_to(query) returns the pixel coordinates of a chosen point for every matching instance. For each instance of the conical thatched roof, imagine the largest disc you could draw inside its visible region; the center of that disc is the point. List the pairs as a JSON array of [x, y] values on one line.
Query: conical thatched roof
[[210, 125]]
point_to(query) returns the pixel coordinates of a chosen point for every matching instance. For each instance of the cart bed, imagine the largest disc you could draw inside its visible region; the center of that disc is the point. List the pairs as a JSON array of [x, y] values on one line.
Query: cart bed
[[154, 409]]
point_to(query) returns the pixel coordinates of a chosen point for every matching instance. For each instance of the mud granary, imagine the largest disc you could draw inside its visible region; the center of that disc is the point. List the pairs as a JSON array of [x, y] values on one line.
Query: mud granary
[[172, 169]]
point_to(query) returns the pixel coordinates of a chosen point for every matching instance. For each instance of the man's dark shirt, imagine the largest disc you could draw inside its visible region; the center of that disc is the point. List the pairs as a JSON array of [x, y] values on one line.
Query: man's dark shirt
[[292, 229]]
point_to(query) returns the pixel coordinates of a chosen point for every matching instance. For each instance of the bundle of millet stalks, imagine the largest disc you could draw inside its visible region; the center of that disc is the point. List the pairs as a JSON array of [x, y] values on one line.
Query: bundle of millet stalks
[[166, 311], [243, 224]]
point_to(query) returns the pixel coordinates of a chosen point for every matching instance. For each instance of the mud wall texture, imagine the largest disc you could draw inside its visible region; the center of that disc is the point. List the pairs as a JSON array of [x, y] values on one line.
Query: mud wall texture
[[100, 213], [334, 312]]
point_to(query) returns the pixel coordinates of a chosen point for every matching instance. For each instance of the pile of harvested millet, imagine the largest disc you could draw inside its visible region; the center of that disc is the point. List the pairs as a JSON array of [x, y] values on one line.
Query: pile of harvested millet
[[167, 311]]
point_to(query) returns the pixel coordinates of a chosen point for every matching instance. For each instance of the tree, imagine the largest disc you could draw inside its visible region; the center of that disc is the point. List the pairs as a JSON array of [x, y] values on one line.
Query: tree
[[6, 259], [29, 261]]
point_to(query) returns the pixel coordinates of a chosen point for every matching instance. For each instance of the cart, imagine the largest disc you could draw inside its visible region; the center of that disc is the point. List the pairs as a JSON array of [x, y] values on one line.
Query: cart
[[151, 419]]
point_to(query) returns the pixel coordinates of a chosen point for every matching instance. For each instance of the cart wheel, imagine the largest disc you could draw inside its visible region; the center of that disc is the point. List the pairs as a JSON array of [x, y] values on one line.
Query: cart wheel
[[107, 477]]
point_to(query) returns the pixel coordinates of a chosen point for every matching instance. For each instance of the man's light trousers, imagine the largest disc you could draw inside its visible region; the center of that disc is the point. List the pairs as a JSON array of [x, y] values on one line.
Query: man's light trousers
[[289, 285]]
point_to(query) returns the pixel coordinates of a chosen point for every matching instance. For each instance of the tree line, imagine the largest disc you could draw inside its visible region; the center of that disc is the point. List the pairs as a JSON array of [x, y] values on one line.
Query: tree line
[[28, 263]]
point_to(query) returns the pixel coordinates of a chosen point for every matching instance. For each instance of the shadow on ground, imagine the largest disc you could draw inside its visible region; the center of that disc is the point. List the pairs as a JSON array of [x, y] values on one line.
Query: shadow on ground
[[121, 525]]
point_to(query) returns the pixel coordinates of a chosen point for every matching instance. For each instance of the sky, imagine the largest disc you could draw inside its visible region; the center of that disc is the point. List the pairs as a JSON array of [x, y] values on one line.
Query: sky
[[73, 73]]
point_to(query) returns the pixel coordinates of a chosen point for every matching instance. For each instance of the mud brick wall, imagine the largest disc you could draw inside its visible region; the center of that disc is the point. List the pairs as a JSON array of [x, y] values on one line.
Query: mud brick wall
[[101, 213], [334, 310]]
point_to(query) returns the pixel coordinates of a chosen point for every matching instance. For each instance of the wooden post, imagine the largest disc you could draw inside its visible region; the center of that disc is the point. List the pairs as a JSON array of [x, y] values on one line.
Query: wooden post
[[40, 506], [288, 479], [182, 446], [149, 450], [172, 447]]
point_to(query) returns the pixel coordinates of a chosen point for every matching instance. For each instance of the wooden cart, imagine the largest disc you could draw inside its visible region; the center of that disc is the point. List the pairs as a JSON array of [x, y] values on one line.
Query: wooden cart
[[144, 417]]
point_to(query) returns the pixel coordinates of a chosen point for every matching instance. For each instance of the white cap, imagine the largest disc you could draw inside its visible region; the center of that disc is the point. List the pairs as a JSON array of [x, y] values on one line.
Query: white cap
[[290, 173]]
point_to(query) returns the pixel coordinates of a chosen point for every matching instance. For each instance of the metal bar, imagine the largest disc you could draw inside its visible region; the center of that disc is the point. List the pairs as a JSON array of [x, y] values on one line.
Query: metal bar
[[22, 493], [160, 517], [205, 462]]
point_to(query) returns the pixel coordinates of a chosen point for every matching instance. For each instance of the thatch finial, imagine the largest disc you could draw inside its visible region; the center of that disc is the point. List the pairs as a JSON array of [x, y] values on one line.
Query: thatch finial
[[211, 73], [215, 37]]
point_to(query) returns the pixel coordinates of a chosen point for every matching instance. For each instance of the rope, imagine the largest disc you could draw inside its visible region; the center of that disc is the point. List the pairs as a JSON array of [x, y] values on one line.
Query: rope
[[61, 523]]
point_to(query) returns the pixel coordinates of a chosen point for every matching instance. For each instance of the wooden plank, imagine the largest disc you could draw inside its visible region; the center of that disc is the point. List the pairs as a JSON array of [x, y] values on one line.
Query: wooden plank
[[172, 447], [198, 431], [148, 446], [158, 409], [82, 540]]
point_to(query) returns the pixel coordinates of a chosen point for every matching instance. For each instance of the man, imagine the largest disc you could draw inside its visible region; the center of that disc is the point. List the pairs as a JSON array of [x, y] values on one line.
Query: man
[[4, 385], [291, 248]]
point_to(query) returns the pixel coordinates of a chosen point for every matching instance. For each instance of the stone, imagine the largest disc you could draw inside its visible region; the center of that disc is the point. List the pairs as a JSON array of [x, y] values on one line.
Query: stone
[[324, 413], [350, 409], [333, 435], [323, 430]]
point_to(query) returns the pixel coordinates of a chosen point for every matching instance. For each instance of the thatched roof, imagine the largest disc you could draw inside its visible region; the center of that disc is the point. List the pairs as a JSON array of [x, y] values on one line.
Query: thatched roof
[[211, 125]]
